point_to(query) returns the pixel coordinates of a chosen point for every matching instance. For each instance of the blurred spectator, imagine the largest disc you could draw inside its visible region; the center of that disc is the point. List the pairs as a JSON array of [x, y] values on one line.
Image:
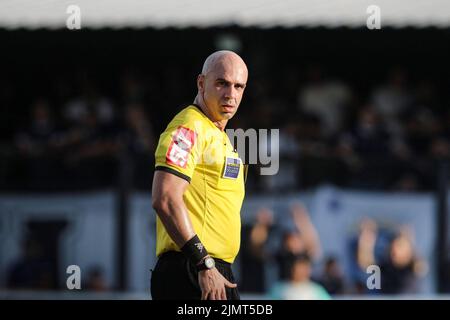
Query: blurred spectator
[[255, 253], [317, 163], [90, 102], [326, 99], [35, 139], [138, 131], [36, 147], [291, 246], [91, 152], [365, 250], [368, 137], [369, 147], [287, 150], [332, 278], [393, 98], [302, 240], [393, 252], [138, 139], [299, 286], [401, 268], [421, 127]]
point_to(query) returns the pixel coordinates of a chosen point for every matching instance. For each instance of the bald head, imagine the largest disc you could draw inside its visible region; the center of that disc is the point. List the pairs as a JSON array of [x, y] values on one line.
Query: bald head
[[221, 59], [221, 86]]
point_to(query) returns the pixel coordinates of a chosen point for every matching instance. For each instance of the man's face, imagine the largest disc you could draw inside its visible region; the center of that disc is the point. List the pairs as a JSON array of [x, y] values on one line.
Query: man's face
[[222, 89]]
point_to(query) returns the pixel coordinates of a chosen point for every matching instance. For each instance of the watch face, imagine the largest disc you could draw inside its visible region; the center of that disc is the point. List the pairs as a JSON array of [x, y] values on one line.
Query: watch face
[[209, 263]]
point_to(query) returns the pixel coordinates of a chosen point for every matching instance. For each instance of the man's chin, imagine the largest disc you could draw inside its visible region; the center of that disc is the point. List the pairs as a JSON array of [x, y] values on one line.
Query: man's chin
[[227, 116]]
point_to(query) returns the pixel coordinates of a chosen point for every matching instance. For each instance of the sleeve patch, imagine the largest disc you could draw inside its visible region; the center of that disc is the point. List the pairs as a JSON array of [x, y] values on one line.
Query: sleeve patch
[[182, 143]]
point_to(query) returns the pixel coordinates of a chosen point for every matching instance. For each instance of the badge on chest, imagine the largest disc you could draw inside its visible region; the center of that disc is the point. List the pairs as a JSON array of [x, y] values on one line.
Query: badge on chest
[[232, 167]]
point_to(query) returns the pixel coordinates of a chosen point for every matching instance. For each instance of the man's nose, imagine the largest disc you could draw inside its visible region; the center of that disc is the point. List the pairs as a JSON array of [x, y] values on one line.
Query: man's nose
[[231, 92]]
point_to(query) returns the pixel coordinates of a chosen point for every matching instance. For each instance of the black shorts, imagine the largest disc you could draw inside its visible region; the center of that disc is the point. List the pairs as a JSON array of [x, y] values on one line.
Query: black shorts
[[176, 278]]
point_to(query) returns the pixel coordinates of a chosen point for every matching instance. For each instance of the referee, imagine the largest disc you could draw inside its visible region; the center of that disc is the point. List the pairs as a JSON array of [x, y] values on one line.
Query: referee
[[198, 189]]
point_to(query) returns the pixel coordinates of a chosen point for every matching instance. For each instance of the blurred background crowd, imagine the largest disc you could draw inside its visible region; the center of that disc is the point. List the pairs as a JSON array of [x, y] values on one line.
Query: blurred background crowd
[[358, 110], [303, 272], [347, 120]]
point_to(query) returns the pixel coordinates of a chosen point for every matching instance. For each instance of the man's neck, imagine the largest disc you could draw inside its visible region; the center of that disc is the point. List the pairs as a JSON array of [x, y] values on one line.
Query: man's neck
[[221, 124]]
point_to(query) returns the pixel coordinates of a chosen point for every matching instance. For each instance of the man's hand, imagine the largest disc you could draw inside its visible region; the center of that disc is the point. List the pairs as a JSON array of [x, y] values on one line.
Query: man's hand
[[213, 284]]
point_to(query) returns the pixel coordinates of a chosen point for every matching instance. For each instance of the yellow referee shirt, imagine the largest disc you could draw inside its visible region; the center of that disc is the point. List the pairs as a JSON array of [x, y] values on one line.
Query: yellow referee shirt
[[193, 148]]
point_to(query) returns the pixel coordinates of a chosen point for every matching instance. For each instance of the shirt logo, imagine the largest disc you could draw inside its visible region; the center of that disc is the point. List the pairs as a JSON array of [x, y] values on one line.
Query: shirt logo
[[199, 246], [182, 142], [232, 167]]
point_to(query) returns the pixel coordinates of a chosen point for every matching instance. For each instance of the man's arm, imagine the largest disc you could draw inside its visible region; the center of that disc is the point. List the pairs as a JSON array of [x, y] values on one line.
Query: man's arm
[[167, 200], [307, 230]]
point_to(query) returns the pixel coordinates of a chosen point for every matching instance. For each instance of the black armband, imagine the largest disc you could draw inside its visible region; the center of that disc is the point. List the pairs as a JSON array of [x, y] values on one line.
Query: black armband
[[194, 250]]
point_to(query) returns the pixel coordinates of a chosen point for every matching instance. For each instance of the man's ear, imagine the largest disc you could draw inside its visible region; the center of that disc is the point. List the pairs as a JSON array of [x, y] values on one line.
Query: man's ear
[[201, 83]]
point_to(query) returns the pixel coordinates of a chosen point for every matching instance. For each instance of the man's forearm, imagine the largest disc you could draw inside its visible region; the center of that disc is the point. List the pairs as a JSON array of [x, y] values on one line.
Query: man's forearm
[[175, 218]]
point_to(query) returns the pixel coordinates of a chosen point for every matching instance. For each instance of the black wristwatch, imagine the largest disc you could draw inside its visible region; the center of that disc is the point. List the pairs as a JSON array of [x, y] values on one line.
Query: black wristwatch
[[206, 264]]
